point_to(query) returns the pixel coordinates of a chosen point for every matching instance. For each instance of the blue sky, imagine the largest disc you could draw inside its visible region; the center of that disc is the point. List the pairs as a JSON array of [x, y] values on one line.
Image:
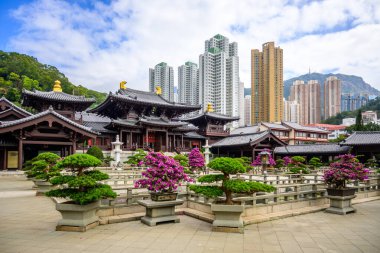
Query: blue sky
[[99, 43]]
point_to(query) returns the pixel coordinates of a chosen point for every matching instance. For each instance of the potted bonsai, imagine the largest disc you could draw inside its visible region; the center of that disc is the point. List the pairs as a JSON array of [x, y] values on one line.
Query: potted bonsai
[[227, 214], [196, 160], [83, 190], [298, 166], [315, 163], [340, 173], [136, 158], [162, 177], [41, 169]]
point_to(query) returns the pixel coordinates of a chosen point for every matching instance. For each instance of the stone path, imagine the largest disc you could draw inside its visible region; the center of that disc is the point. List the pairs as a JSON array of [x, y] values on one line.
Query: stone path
[[28, 223]]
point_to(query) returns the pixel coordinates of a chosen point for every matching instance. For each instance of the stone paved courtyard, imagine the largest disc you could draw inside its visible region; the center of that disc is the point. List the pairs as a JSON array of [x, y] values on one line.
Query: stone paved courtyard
[[28, 225]]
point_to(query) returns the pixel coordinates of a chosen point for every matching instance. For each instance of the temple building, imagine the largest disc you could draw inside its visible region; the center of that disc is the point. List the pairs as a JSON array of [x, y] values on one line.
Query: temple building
[[211, 125], [63, 126]]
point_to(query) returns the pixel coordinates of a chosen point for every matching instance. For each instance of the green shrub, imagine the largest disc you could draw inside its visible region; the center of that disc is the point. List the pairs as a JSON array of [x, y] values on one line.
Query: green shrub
[[83, 185], [298, 170], [246, 162], [182, 159], [297, 165], [107, 160], [279, 163], [227, 166], [371, 163], [96, 151], [137, 157], [43, 166], [315, 162]]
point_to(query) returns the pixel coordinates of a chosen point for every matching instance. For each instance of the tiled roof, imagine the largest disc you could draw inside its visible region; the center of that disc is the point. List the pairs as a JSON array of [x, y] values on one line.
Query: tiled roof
[[311, 149], [157, 121], [91, 117], [44, 113], [58, 96], [275, 126], [187, 127], [237, 140], [98, 127], [125, 122], [299, 127], [245, 130], [212, 115], [362, 138], [149, 98], [329, 126], [15, 107], [194, 135]]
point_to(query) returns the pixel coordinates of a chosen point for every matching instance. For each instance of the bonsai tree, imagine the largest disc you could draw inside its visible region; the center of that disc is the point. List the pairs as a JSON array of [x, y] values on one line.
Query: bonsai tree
[[246, 162], [137, 158], [346, 169], [107, 160], [96, 151], [182, 160], [228, 186], [196, 159], [315, 163], [164, 174], [44, 166], [82, 186], [297, 165], [279, 163], [371, 163]]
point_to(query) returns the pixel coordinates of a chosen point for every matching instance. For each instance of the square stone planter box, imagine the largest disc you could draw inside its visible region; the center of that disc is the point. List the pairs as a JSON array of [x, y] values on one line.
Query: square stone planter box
[[228, 218], [43, 186], [78, 218], [159, 211], [340, 200]]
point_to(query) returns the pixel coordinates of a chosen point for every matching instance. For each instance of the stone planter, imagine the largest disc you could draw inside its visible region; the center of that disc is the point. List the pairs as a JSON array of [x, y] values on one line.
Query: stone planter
[[228, 218], [340, 200], [159, 211], [163, 196], [43, 186], [78, 218]]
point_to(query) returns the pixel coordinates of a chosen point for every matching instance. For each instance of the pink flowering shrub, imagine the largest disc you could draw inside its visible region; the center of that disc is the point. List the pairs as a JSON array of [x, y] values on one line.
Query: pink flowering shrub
[[257, 161], [347, 169], [287, 160], [196, 159], [164, 174]]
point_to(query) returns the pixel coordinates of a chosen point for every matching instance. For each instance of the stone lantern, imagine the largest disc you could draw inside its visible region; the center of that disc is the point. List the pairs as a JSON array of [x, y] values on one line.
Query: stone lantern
[[116, 151], [264, 156]]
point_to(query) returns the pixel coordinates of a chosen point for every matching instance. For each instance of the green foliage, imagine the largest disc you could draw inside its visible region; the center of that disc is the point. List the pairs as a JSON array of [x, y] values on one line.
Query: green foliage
[[315, 162], [297, 165], [96, 151], [279, 163], [43, 166], [19, 71], [107, 160], [371, 163], [245, 161], [227, 165], [83, 186], [298, 159], [340, 138], [136, 158], [182, 159], [298, 170]]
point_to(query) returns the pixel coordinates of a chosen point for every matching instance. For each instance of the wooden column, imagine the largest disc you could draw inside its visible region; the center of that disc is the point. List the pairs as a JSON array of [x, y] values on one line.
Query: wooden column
[[167, 141], [182, 140], [130, 139], [5, 159], [74, 143], [20, 153], [146, 137]]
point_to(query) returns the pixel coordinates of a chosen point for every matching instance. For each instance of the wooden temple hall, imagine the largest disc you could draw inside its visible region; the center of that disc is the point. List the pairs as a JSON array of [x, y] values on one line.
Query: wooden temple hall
[[63, 123]]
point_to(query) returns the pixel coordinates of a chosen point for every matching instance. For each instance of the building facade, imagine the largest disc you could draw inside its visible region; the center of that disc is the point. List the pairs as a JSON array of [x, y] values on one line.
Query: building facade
[[162, 76], [299, 92], [267, 84], [241, 105], [351, 102], [188, 89], [332, 96], [314, 102], [219, 76], [292, 111], [247, 110]]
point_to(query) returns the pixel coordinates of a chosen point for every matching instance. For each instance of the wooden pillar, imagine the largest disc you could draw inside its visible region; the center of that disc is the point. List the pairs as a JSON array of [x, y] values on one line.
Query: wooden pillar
[[5, 159], [20, 153], [130, 139], [167, 141], [182, 140], [146, 137]]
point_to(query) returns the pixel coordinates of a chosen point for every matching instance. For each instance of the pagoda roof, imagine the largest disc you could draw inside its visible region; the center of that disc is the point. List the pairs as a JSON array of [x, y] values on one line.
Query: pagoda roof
[[158, 121], [311, 149], [193, 135], [4, 103], [56, 96], [33, 119], [211, 115], [299, 127], [363, 138], [139, 98], [94, 122]]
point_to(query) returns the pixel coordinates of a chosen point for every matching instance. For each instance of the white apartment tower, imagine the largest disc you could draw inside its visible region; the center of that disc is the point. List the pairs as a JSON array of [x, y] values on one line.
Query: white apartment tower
[[219, 76], [292, 111], [241, 105], [163, 76], [188, 89], [247, 110], [299, 92]]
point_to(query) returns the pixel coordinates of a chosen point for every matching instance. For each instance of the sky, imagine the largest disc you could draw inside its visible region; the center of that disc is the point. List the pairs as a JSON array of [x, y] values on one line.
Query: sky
[[97, 44]]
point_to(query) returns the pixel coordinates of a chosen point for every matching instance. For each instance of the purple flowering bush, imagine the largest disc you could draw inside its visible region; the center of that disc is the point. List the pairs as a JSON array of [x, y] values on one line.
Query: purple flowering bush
[[196, 159], [287, 160], [164, 174], [257, 161], [345, 170]]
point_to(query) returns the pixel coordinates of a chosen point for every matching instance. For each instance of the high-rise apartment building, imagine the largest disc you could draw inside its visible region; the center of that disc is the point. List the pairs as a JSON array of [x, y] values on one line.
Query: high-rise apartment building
[[299, 92], [314, 102], [188, 89], [219, 76], [241, 105], [351, 102], [332, 100], [292, 111], [247, 110], [163, 76], [267, 84]]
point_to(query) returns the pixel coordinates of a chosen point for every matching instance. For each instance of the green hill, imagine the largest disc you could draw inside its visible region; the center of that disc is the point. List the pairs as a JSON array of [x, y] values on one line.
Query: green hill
[[20, 71]]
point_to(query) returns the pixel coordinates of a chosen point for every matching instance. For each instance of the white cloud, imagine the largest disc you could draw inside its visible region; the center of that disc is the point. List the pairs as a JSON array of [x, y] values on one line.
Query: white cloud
[[100, 46]]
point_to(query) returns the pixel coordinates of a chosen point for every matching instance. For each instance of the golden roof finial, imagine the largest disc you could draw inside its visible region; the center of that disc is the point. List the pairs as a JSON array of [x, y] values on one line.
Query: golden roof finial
[[123, 85], [158, 90], [57, 86], [209, 108]]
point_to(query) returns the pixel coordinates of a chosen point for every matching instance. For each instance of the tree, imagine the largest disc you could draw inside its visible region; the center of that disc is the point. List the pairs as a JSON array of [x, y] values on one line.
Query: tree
[[96, 152], [359, 121], [196, 159], [227, 166]]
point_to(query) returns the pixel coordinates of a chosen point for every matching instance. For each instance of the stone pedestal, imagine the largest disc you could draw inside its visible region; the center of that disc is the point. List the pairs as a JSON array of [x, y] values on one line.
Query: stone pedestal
[[116, 152], [341, 204], [228, 218], [207, 154], [159, 211]]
